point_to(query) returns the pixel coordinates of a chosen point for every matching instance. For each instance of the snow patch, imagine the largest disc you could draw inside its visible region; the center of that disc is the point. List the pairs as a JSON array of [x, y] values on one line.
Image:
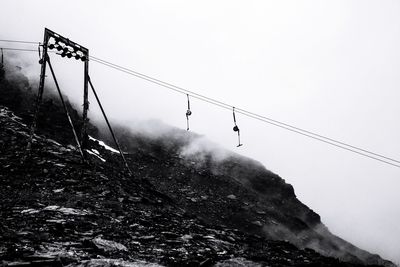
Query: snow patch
[[104, 145], [96, 155]]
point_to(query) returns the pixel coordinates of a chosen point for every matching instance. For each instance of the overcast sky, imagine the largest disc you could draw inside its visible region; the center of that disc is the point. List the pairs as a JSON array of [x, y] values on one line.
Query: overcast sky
[[332, 67]]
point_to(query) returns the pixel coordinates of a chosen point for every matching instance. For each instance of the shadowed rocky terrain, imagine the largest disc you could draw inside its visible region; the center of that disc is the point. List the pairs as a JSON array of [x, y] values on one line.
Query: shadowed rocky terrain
[[182, 207]]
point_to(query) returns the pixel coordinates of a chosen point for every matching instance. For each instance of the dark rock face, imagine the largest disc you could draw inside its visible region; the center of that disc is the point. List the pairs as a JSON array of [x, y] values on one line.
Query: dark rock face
[[236, 192], [176, 210], [55, 211]]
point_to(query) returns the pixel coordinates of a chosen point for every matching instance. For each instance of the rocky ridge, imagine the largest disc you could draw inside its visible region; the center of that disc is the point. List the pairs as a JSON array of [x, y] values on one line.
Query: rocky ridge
[[57, 211]]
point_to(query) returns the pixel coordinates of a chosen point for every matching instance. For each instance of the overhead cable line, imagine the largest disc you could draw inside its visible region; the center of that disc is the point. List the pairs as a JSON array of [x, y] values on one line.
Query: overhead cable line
[[315, 136], [23, 49], [19, 49], [282, 125], [17, 41]]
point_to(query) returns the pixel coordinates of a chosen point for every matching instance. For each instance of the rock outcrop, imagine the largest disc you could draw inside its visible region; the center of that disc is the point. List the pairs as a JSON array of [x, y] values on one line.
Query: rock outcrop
[[177, 209]]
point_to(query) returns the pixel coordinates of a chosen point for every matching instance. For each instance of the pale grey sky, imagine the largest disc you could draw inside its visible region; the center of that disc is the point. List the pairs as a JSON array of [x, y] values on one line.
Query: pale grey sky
[[332, 67]]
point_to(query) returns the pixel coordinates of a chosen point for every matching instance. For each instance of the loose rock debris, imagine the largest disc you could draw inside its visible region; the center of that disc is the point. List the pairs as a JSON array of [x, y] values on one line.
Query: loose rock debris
[[56, 211]]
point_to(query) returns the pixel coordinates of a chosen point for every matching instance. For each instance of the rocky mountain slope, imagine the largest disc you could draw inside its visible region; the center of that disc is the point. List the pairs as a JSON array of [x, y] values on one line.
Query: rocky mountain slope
[[181, 207]]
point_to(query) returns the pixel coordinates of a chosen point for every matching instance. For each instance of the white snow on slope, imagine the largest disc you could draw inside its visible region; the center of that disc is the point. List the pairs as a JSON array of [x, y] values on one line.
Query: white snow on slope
[[104, 145], [95, 154]]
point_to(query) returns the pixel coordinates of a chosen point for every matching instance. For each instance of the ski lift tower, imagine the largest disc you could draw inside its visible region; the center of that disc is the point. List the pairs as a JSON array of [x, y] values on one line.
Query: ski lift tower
[[66, 49]]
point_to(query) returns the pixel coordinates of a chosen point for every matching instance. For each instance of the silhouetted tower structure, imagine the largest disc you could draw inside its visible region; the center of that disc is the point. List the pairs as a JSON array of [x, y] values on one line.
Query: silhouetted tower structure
[[69, 49]]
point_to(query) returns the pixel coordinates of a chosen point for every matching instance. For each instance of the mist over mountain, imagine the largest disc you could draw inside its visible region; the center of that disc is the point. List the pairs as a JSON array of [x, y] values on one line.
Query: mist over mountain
[[189, 202]]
